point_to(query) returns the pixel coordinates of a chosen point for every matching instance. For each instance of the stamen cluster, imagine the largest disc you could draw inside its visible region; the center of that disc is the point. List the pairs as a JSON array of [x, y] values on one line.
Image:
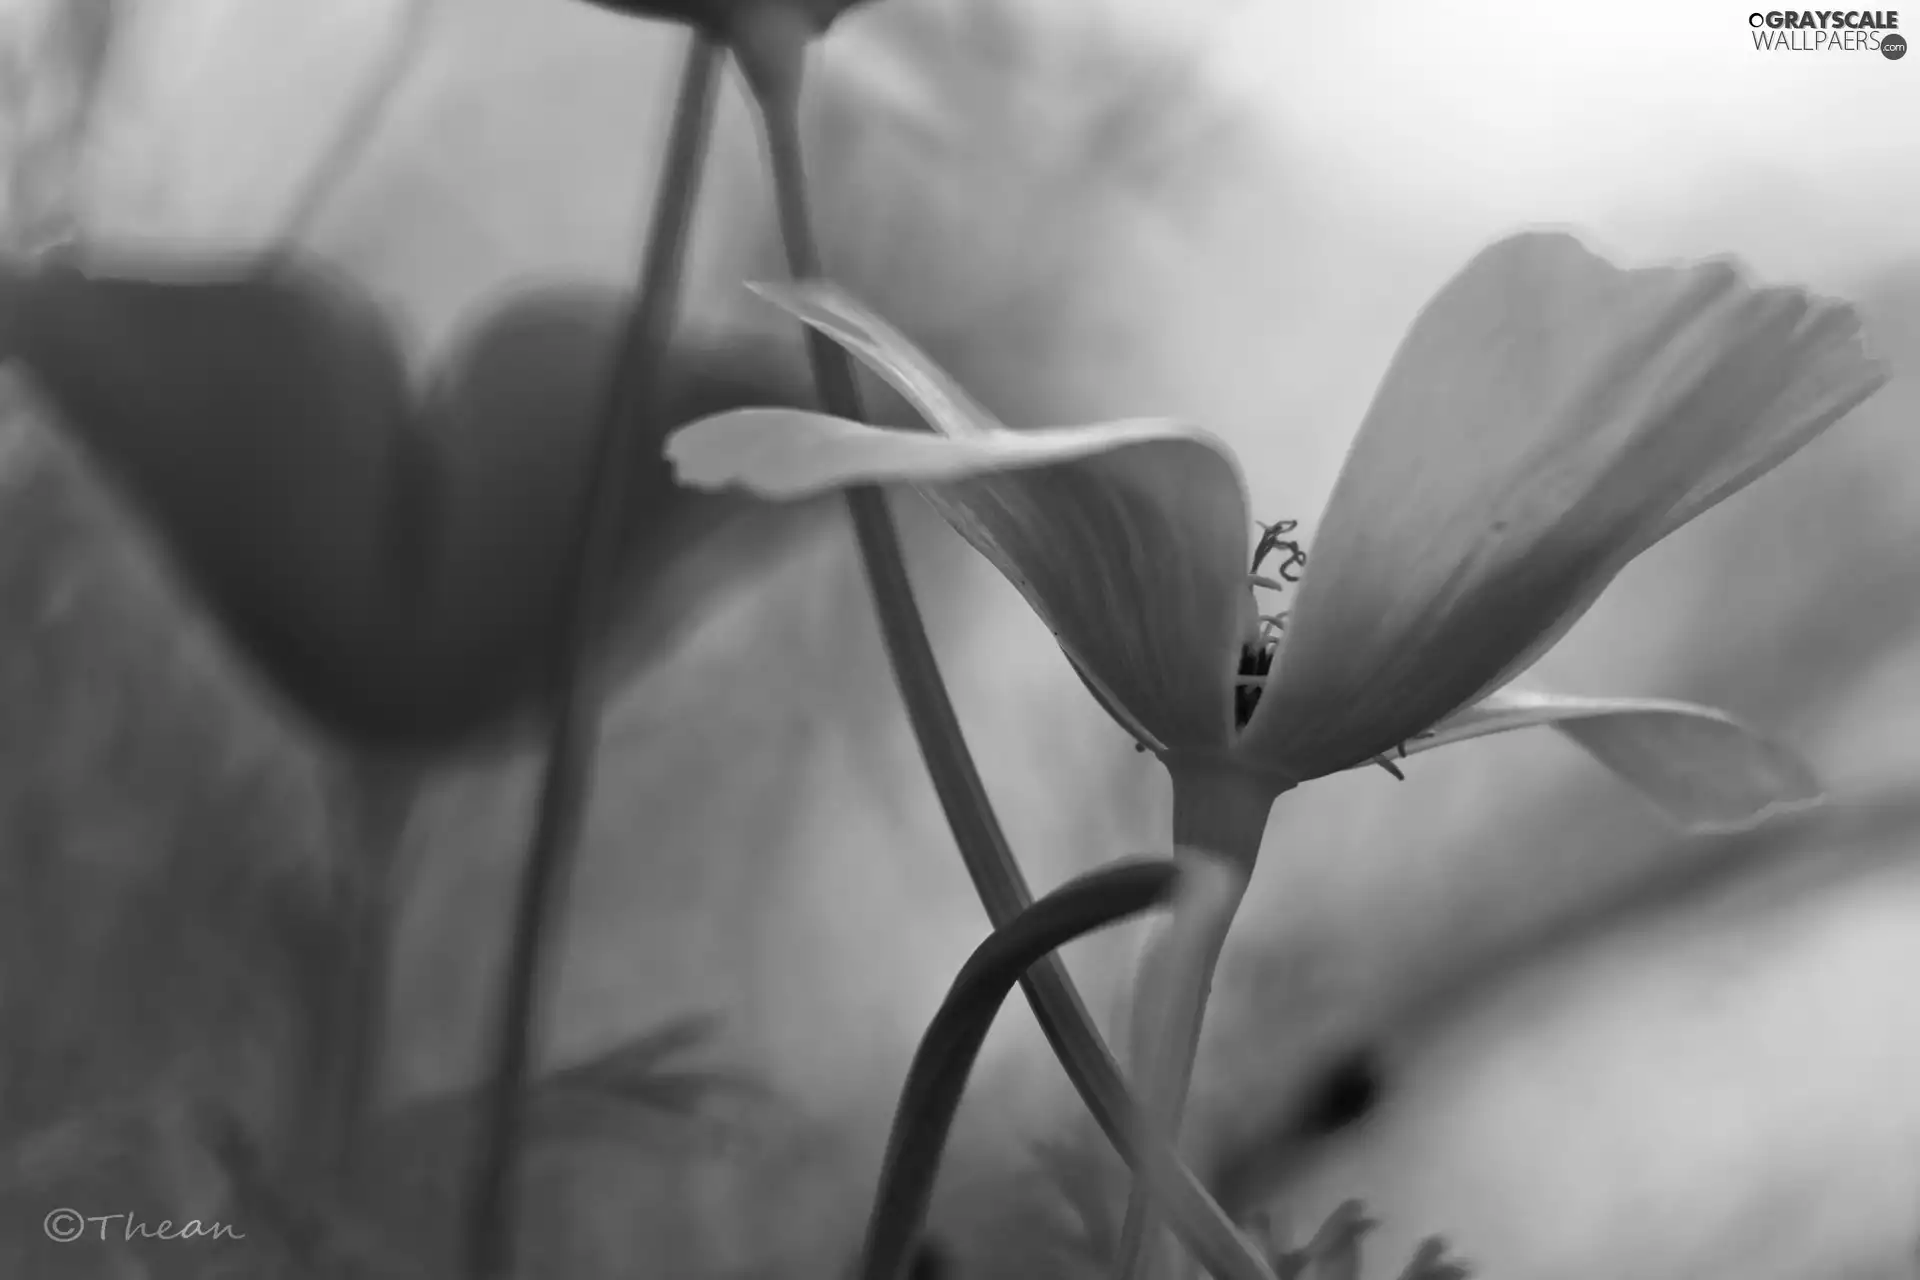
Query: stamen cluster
[[1260, 650], [1257, 654]]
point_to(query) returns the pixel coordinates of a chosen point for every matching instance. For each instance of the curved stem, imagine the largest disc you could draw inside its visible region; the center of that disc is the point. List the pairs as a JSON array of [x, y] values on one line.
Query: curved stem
[[1063, 1017], [573, 695], [948, 1049]]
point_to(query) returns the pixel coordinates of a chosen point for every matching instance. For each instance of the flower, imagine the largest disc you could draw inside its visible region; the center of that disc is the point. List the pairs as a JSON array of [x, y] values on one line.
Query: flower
[[391, 562], [767, 36], [1547, 418], [724, 18]]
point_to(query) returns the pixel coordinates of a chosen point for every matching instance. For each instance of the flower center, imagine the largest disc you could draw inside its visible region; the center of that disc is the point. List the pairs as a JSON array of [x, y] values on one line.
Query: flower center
[[1257, 653]]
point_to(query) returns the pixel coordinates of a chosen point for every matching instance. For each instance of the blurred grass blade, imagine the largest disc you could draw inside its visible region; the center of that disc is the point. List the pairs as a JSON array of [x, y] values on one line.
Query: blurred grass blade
[[638, 1073], [642, 1055]]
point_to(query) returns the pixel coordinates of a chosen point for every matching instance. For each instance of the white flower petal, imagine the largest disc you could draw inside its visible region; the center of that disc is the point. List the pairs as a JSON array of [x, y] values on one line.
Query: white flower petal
[[1701, 767], [1835, 377], [794, 453], [1547, 418], [1127, 538], [833, 311]]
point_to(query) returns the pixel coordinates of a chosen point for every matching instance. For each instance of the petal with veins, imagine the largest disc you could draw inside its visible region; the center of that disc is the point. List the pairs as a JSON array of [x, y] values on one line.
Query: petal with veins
[[1127, 538], [1547, 417], [825, 306], [1702, 768]]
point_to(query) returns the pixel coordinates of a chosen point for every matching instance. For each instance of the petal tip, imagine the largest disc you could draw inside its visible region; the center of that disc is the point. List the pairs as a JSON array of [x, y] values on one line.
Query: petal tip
[[793, 296], [1793, 790], [696, 465], [1766, 814]]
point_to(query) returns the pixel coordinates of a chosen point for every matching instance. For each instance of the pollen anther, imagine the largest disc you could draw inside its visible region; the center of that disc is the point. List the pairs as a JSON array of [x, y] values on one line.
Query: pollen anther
[[1257, 656]]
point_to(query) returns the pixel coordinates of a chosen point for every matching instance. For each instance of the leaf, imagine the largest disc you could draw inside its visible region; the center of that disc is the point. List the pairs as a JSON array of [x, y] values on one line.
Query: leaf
[[1334, 1251], [1430, 1262]]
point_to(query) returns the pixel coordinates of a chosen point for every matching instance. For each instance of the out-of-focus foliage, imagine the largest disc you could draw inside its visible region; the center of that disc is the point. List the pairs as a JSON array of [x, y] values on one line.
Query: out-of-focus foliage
[[166, 874], [51, 59]]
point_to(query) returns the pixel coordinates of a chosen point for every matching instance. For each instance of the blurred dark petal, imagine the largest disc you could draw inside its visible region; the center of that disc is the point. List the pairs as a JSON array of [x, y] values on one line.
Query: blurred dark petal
[[394, 577], [722, 17]]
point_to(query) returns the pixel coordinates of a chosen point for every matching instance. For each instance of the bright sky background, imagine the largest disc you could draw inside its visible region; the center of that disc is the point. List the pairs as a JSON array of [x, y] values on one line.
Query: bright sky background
[[1497, 103], [1633, 108]]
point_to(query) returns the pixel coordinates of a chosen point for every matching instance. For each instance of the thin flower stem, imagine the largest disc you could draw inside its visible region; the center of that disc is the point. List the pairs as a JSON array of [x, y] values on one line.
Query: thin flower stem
[[1003, 889], [379, 800], [574, 694], [1176, 979]]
